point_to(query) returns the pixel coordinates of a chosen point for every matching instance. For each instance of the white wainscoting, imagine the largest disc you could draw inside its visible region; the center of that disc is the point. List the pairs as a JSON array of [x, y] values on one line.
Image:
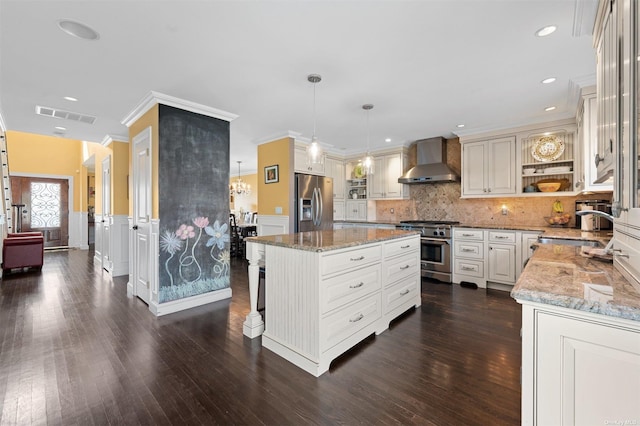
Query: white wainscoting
[[79, 230], [97, 255], [273, 224], [119, 245]]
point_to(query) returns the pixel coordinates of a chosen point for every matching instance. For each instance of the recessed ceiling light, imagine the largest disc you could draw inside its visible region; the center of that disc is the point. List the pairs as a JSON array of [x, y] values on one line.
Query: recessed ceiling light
[[551, 108], [545, 31], [460, 126], [61, 128], [387, 140], [548, 80], [77, 29], [69, 98]]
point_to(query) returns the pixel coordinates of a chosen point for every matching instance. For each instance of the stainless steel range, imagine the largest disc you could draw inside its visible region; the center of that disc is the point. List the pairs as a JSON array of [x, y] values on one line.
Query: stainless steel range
[[435, 244]]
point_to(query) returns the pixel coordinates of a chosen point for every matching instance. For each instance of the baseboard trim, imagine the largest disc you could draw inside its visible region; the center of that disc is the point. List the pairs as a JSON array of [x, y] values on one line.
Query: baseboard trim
[[159, 309]]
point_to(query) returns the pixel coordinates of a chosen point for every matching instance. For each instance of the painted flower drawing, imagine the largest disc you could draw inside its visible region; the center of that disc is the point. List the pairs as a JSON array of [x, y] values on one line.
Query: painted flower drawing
[[191, 266], [170, 242], [185, 231], [201, 222], [218, 234]]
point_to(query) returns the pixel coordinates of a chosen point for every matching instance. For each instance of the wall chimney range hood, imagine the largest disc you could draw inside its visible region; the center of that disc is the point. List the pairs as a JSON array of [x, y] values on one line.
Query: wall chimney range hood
[[432, 164]]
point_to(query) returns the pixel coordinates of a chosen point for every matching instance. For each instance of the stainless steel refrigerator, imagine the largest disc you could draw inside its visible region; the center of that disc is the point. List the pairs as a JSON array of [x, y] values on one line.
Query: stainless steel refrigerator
[[314, 203]]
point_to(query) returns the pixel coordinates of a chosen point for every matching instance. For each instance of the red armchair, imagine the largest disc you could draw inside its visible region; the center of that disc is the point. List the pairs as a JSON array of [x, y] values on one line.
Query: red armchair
[[23, 250]]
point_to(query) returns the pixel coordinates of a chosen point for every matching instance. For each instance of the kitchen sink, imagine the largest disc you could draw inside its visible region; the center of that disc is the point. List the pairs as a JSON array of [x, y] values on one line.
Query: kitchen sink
[[570, 242]]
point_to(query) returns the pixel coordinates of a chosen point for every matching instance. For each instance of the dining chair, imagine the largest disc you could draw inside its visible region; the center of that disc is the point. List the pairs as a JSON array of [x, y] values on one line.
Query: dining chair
[[235, 237]]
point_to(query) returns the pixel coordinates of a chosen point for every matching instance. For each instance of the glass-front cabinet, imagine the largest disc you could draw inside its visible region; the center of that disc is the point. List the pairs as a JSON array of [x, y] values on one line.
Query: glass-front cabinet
[[626, 197]]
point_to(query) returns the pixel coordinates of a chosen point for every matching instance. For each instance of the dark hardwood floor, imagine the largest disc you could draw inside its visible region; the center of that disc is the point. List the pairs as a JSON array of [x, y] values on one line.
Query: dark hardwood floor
[[76, 350]]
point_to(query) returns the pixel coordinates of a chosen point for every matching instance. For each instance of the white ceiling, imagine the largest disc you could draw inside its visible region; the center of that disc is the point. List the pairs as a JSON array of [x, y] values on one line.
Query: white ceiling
[[425, 65]]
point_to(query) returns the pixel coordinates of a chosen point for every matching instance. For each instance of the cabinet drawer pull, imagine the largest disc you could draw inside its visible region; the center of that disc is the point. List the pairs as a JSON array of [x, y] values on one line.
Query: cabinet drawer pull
[[404, 247], [357, 318], [467, 235], [356, 259], [468, 268], [404, 292], [360, 284], [402, 268], [466, 250], [501, 237]]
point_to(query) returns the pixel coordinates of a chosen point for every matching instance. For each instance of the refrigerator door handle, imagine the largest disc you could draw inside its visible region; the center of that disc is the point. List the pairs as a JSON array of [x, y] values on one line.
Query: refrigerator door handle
[[321, 207], [316, 220], [313, 208]]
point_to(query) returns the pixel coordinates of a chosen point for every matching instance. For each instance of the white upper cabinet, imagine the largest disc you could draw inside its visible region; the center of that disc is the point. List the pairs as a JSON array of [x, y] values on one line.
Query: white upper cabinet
[[334, 168], [585, 166], [300, 164], [607, 70], [489, 167], [383, 184]]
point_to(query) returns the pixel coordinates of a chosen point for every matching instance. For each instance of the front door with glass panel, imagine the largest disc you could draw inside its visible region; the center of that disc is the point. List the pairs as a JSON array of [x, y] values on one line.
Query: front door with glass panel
[[46, 208]]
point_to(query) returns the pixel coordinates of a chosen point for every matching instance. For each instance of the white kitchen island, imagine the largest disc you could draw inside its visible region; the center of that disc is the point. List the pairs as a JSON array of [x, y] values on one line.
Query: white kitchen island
[[328, 290]]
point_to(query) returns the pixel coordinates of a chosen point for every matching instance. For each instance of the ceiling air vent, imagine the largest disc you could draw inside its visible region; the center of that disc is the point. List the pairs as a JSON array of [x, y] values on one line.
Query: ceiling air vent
[[65, 115]]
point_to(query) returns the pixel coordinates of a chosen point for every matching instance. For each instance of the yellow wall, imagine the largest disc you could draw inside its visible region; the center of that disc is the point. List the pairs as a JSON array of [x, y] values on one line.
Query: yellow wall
[[120, 178], [274, 195], [99, 153], [150, 119], [47, 155]]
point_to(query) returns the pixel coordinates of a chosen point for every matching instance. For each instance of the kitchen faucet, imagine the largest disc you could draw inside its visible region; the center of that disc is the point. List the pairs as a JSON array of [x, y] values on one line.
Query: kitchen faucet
[[610, 218], [597, 213]]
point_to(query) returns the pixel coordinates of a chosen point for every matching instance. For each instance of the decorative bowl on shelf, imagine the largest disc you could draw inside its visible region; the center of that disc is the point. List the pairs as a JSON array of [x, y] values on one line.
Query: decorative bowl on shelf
[[558, 220], [548, 186]]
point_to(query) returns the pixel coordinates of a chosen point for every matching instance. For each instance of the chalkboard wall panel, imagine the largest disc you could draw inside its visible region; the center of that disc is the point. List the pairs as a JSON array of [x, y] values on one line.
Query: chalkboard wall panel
[[193, 203]]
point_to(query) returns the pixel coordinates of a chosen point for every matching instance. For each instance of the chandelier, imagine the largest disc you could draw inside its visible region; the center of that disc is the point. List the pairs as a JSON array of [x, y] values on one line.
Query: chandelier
[[239, 187], [314, 150]]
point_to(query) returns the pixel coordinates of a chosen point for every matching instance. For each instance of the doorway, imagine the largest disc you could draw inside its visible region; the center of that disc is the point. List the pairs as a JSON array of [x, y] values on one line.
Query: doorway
[[44, 207]]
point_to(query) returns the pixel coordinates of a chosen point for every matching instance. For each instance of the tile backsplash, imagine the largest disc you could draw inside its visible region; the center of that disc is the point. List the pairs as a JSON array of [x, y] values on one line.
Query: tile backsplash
[[441, 201]]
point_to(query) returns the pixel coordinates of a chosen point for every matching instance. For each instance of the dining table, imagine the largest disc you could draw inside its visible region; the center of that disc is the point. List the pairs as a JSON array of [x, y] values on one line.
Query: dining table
[[247, 229]]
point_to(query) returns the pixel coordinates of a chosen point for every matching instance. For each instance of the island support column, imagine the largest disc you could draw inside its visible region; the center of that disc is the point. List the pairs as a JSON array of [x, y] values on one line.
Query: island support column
[[254, 324]]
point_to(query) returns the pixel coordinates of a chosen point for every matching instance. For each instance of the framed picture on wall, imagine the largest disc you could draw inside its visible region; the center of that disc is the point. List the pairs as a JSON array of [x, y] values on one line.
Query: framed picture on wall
[[271, 174]]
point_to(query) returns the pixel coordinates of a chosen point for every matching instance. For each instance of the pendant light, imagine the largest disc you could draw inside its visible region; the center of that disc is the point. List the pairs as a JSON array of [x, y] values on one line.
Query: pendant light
[[367, 161], [314, 150], [239, 187]]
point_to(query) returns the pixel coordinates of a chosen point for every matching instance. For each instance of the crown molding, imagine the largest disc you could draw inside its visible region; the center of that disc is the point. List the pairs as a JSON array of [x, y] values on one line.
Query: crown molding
[[3, 127], [106, 141], [277, 136], [152, 98], [480, 133], [584, 17]]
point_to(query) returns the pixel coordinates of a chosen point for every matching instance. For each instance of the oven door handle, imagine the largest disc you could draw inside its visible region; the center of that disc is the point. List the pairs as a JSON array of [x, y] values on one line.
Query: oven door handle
[[435, 240]]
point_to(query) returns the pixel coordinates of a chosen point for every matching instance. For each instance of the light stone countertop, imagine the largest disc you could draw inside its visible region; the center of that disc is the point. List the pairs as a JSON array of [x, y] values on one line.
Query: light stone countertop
[[331, 240], [562, 275]]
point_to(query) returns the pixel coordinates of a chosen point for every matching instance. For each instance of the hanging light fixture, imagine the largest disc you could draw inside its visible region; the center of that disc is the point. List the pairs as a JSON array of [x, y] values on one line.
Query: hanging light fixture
[[314, 150], [239, 187], [367, 161]]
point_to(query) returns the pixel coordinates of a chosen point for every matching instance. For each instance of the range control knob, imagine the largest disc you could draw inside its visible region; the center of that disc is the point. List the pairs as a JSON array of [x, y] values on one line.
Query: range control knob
[[442, 233], [435, 233]]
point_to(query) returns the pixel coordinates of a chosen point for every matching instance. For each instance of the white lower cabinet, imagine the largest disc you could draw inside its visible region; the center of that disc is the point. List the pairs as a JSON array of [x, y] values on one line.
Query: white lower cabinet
[[341, 296], [502, 256], [338, 209], [486, 257], [579, 368], [355, 210]]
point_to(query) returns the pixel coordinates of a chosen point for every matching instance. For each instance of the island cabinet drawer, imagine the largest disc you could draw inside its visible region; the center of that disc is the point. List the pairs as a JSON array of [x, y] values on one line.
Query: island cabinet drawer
[[468, 234], [397, 247], [399, 268], [345, 288], [470, 249], [340, 325], [402, 294], [341, 260], [502, 237], [472, 268]]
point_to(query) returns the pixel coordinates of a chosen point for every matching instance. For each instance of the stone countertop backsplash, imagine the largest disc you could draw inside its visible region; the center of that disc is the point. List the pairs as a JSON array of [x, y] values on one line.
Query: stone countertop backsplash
[[566, 276]]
